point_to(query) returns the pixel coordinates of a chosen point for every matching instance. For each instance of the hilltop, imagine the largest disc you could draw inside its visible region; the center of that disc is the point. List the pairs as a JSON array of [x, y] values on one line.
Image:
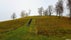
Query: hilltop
[[41, 28]]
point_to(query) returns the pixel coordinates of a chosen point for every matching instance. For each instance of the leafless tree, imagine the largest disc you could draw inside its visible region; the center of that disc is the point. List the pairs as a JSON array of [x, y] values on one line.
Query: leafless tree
[[23, 14], [29, 11], [59, 8], [45, 12], [50, 10], [40, 11], [69, 7], [13, 16], [27, 14]]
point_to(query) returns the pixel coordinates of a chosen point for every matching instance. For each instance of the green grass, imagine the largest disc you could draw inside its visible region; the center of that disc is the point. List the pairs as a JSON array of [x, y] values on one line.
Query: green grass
[[41, 28]]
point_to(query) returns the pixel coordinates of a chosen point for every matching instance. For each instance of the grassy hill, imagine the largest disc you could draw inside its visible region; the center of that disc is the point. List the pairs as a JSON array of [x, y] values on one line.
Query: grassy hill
[[41, 28], [12, 24]]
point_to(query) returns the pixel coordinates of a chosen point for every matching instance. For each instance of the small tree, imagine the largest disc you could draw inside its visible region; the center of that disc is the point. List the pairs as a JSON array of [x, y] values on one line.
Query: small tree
[[59, 8], [27, 14], [23, 14], [29, 11], [13, 16], [69, 7], [45, 12], [50, 10], [40, 11]]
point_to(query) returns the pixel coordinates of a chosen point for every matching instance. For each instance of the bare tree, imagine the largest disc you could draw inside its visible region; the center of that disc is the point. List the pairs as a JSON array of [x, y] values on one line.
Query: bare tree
[[29, 11], [23, 14], [13, 16], [59, 8], [69, 7], [27, 14], [50, 10], [45, 12], [40, 11]]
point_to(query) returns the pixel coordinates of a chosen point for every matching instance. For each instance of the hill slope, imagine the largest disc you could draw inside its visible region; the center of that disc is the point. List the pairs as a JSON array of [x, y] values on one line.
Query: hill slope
[[41, 28], [12, 24]]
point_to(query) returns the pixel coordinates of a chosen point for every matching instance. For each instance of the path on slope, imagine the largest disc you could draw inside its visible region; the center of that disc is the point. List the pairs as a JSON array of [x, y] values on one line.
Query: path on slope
[[29, 22]]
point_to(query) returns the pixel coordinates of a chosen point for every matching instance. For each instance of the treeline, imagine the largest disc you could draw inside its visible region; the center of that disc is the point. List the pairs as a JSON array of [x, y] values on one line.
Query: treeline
[[23, 14], [59, 9]]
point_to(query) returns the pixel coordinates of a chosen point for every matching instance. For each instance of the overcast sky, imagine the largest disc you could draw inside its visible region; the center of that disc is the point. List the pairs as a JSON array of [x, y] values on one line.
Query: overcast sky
[[7, 7]]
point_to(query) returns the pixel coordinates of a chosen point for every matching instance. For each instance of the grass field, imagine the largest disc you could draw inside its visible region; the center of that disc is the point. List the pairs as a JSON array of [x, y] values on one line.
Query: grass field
[[41, 28]]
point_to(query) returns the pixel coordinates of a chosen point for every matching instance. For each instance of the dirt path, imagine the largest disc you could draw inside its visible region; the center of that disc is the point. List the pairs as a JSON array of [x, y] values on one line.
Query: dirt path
[[29, 22]]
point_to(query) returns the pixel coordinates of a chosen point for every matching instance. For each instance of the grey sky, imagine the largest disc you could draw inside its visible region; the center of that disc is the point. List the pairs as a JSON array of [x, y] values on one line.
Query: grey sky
[[7, 7]]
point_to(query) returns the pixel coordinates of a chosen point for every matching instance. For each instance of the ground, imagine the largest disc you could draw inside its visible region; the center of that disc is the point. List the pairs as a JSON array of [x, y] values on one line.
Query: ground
[[40, 28]]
